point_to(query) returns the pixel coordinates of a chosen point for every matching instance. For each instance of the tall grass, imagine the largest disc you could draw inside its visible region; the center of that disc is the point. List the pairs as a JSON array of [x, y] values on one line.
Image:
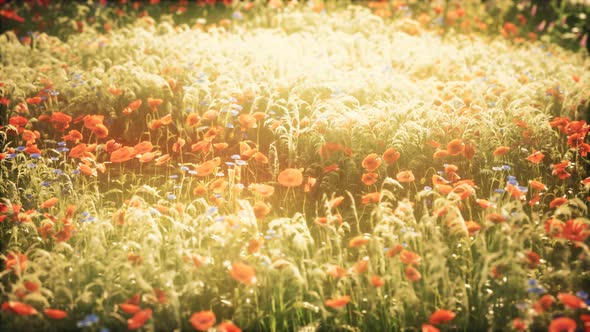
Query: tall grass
[[347, 79]]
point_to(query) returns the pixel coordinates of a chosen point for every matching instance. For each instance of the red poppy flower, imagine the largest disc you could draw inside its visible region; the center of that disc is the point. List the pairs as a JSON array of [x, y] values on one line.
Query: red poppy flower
[[155, 124], [373, 197], [472, 227], [405, 176], [18, 121], [133, 258], [148, 156], [160, 295], [203, 146], [210, 115], [440, 154], [166, 119], [207, 167], [337, 302], [218, 186], [321, 220], [518, 324], [31, 286], [328, 148], [500, 151], [100, 131], [255, 244], [361, 266], [437, 179], [562, 324], [130, 308], [228, 327], [484, 204], [576, 127], [444, 189], [246, 121], [261, 209], [60, 121], [134, 105], [123, 154], [371, 162], [263, 190], [114, 91], [335, 202], [32, 148], [143, 147], [290, 177], [203, 320], [243, 273], [30, 136], [391, 155], [560, 170], [16, 262], [571, 301], [509, 30], [370, 178], [409, 257], [221, 146], [34, 100], [533, 258], [543, 303], [358, 241], [91, 121], [560, 123], [259, 115], [535, 157], [377, 281], [496, 218], [331, 168], [19, 308], [450, 168], [514, 191], [49, 203], [153, 103], [469, 151], [393, 251], [177, 146], [139, 319], [336, 271], [575, 230], [429, 328], [455, 147], [412, 274], [73, 136], [441, 316], [55, 313], [557, 201], [259, 157], [537, 185]]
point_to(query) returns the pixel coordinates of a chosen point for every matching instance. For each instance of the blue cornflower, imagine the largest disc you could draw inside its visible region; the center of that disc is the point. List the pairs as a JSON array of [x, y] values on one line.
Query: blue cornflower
[[89, 320], [211, 210], [536, 290]]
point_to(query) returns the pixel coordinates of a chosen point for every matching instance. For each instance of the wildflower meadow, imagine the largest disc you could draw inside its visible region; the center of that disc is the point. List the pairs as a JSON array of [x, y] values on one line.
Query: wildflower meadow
[[294, 166]]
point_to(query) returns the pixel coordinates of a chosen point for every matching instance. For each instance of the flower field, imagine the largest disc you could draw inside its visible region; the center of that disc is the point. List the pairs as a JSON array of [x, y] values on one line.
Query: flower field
[[294, 167]]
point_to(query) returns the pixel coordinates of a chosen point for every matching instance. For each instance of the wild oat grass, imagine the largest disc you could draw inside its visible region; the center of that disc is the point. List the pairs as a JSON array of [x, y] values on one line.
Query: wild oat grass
[[346, 80]]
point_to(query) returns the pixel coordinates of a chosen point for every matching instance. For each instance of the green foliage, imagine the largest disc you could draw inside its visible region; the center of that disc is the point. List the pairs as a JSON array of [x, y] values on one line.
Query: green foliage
[[326, 90]]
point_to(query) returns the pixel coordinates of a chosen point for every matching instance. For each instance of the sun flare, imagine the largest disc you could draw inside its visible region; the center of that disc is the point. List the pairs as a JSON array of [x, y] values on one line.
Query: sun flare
[[293, 166]]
